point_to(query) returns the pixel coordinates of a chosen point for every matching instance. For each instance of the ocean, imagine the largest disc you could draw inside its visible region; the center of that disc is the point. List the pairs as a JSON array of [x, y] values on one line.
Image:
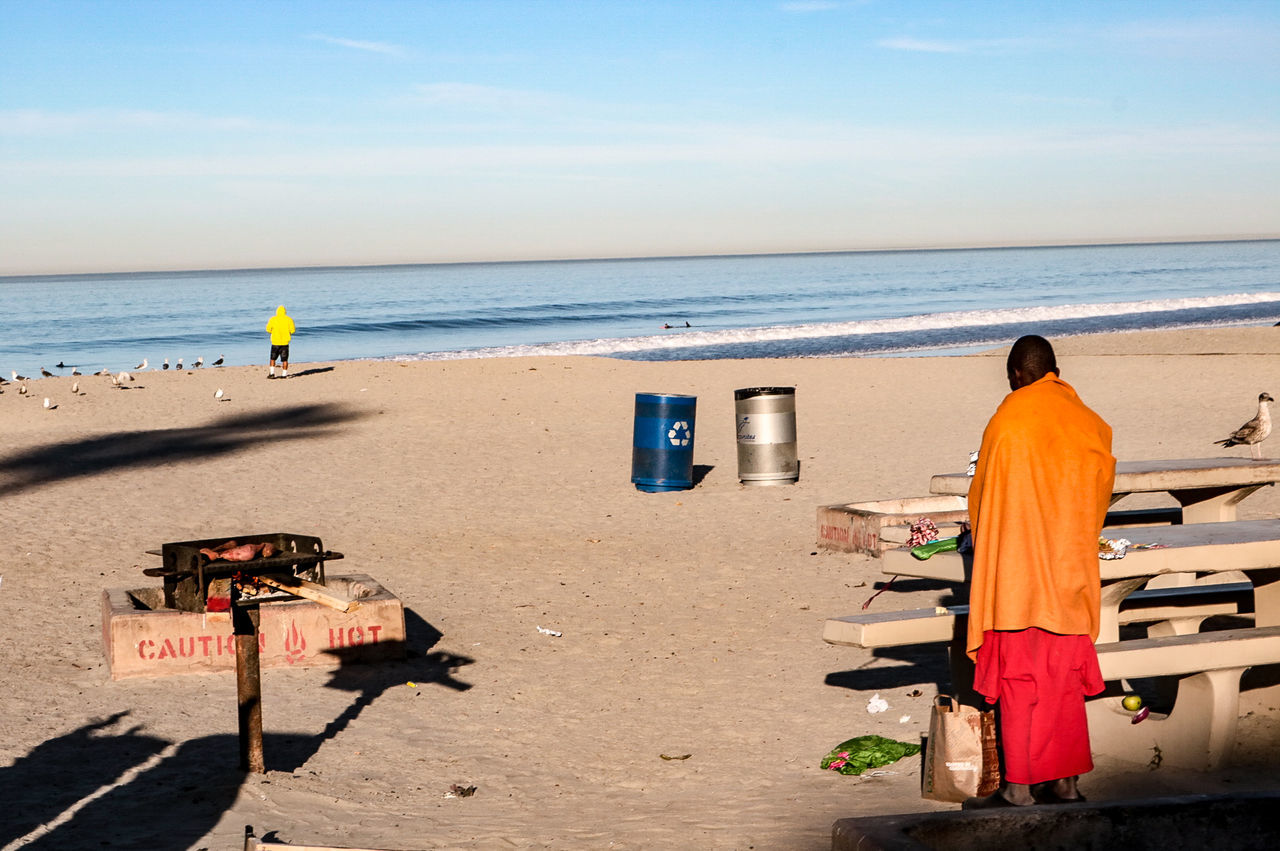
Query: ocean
[[790, 305]]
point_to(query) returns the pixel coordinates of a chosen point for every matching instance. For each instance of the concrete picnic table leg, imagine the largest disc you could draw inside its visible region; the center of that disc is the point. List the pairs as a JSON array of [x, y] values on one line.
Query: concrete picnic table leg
[[1113, 594], [1203, 505], [1266, 596], [1211, 505], [1199, 733]]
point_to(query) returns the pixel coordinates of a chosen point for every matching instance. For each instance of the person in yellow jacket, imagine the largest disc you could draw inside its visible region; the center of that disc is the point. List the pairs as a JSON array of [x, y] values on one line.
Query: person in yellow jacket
[[281, 328]]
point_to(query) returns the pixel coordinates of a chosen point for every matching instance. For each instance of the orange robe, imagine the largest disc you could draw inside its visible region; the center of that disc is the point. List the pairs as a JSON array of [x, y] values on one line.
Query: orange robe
[[1037, 504]]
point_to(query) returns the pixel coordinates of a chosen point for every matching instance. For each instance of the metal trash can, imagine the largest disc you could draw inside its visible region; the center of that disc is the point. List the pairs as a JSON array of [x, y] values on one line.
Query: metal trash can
[[662, 449], [766, 435]]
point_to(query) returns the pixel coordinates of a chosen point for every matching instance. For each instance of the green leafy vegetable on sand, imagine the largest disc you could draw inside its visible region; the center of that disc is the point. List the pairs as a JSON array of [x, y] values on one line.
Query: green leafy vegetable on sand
[[857, 755]]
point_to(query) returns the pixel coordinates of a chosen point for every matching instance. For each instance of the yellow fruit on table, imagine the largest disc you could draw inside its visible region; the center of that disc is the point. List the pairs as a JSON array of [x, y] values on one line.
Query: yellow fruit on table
[[1132, 702]]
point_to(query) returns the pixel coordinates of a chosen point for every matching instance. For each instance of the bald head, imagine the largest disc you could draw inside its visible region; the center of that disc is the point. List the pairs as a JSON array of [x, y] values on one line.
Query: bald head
[[1030, 360]]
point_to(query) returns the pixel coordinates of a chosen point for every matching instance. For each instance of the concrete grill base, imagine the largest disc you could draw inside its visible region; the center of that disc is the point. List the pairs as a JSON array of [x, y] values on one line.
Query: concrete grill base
[[141, 638], [855, 527]]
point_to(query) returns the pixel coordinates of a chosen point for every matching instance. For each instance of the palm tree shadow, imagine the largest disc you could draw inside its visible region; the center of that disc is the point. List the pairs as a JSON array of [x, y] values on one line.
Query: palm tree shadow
[[93, 456]]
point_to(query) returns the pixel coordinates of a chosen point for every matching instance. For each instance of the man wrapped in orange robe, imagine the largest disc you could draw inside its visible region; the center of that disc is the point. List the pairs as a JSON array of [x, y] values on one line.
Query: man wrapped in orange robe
[[1037, 503]]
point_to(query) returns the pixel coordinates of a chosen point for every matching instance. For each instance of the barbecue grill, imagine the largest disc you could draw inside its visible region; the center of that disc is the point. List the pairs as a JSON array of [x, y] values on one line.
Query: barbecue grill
[[193, 582]]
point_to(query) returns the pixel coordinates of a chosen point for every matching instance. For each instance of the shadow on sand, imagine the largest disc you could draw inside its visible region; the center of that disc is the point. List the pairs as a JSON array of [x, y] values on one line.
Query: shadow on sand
[[92, 456], [107, 784], [316, 370], [421, 666]]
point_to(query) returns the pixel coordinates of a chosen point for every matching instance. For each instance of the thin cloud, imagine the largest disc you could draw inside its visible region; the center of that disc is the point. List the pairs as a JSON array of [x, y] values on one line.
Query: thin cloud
[[801, 6], [1058, 100], [369, 46], [921, 45], [36, 122], [712, 146], [1225, 37], [987, 45], [479, 97]]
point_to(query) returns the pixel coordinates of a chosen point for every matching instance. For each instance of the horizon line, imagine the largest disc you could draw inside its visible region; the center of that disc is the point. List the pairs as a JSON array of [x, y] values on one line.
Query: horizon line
[[1117, 243]]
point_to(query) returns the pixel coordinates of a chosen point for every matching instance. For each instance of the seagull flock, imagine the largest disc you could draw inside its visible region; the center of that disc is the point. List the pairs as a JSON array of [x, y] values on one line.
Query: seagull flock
[[120, 380]]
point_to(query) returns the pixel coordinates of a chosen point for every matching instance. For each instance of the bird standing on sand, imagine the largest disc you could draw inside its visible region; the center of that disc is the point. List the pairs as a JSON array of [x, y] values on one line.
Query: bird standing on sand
[[199, 362], [46, 373], [75, 370], [17, 377], [218, 395], [166, 364], [48, 405], [75, 388], [179, 366], [142, 365], [218, 362], [1253, 432]]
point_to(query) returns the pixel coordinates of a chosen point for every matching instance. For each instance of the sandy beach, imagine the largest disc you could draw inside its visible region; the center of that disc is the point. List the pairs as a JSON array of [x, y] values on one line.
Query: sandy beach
[[494, 497]]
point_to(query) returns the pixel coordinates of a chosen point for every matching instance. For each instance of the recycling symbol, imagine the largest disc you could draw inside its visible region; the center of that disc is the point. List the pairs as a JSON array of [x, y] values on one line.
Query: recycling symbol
[[677, 429]]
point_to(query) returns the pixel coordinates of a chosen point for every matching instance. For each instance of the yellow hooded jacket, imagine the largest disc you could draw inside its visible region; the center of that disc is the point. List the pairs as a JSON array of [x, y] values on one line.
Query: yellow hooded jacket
[[281, 327]]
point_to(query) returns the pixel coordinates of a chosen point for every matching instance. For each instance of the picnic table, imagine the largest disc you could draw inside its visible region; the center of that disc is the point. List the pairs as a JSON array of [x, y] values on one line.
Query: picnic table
[[1199, 731], [1207, 489]]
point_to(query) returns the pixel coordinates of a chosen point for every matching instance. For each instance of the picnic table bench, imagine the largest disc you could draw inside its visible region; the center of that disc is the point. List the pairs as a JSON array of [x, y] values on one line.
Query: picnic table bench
[[1199, 731]]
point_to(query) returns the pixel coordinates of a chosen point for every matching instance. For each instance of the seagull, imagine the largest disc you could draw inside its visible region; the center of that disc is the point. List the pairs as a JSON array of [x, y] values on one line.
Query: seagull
[[115, 382], [218, 395], [166, 364], [75, 388], [218, 362], [179, 366], [17, 377], [48, 405], [75, 370], [46, 373], [22, 389], [199, 362], [1253, 432], [103, 371], [142, 365]]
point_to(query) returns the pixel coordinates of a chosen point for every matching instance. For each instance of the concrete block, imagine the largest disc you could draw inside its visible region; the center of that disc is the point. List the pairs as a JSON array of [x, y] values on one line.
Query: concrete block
[[141, 638], [855, 527]]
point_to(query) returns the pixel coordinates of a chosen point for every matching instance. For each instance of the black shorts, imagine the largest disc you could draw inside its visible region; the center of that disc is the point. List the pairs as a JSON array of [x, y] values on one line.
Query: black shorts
[[281, 352]]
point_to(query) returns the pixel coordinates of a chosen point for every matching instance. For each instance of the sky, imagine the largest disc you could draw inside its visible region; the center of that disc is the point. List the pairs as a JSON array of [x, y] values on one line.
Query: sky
[[193, 135]]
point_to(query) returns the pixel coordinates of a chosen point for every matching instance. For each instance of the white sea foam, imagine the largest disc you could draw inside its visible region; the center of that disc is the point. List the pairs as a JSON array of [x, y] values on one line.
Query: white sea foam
[[691, 338]]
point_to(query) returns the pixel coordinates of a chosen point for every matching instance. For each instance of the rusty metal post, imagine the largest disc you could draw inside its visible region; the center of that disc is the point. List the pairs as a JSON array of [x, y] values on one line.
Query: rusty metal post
[[244, 621]]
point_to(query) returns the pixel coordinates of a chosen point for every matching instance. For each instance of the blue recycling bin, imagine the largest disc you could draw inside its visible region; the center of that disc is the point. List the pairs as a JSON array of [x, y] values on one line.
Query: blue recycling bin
[[662, 449]]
